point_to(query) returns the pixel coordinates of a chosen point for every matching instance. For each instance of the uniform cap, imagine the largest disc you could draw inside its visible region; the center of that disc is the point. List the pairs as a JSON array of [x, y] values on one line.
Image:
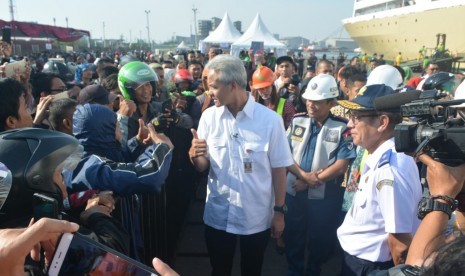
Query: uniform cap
[[364, 101]]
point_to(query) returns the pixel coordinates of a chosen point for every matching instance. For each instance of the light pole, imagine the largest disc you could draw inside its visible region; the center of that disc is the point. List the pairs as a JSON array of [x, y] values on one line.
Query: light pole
[[194, 9], [103, 27], [148, 29], [66, 22], [54, 22]]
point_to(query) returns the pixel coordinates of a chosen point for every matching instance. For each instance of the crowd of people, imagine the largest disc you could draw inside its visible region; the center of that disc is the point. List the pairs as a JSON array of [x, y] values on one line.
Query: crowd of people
[[306, 157]]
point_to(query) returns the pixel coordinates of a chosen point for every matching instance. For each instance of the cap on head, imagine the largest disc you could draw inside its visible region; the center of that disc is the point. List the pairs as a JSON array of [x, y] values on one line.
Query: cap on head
[[262, 77], [282, 59], [321, 87], [95, 93], [385, 74], [364, 101]]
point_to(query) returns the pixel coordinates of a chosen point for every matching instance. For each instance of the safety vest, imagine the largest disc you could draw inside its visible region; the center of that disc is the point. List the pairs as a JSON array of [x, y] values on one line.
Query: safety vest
[[325, 153], [281, 105]]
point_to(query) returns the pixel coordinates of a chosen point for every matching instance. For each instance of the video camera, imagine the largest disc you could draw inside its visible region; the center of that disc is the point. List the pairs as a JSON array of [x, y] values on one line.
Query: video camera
[[432, 130]]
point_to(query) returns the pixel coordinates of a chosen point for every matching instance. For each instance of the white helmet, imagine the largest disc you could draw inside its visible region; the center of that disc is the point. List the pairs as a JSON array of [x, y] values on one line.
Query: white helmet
[[460, 94], [387, 75], [321, 87]]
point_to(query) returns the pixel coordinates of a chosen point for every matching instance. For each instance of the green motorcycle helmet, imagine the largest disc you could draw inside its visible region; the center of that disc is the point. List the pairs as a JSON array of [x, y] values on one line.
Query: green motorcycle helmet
[[132, 75]]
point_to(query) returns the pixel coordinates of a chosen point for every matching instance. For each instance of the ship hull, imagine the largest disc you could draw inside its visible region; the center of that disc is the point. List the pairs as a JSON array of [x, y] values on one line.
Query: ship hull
[[408, 33]]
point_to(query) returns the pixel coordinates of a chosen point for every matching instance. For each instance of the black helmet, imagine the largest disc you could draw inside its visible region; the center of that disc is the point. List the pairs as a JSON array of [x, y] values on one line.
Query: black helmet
[[440, 81], [59, 68], [32, 156]]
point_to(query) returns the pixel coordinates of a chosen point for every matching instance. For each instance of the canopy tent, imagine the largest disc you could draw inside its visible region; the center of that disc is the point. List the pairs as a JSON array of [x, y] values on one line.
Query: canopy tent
[[182, 46], [257, 31], [224, 33], [26, 29]]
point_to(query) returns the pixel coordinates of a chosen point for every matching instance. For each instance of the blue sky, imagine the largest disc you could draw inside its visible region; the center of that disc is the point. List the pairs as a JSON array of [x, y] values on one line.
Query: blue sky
[[312, 19]]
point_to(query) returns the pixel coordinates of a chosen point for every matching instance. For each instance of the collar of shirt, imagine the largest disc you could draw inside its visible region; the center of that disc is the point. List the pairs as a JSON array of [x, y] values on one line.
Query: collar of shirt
[[373, 158], [248, 109]]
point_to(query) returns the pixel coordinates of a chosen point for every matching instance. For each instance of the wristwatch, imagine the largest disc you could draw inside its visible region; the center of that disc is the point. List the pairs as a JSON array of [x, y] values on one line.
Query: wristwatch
[[281, 209], [427, 204]]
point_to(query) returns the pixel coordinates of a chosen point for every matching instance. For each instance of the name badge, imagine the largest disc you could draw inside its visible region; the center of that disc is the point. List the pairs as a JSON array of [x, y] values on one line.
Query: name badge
[[248, 165]]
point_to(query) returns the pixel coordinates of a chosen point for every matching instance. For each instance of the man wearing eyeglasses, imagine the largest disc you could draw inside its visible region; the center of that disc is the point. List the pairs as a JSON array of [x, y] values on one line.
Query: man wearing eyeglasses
[[379, 226]]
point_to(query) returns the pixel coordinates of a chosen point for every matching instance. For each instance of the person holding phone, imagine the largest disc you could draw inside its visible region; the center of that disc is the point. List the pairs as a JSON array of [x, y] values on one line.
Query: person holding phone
[[33, 161], [17, 244], [286, 86], [5, 45]]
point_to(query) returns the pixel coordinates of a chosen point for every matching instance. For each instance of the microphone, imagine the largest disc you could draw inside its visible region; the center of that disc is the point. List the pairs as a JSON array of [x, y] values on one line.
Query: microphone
[[394, 101]]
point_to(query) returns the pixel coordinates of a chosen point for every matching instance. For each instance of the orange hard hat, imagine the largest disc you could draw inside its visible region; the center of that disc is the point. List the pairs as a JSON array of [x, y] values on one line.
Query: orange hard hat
[[262, 77]]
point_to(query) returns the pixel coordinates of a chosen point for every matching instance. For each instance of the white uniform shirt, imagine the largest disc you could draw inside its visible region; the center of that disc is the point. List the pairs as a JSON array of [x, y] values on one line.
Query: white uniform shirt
[[386, 202], [241, 202]]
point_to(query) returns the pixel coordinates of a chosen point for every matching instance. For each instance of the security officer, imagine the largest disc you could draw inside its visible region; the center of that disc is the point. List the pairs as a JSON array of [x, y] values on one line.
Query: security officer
[[379, 226], [314, 192]]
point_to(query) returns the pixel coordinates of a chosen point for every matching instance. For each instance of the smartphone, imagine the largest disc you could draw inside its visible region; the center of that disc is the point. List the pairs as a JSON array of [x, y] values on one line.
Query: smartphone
[[6, 34], [79, 255], [44, 207], [167, 104]]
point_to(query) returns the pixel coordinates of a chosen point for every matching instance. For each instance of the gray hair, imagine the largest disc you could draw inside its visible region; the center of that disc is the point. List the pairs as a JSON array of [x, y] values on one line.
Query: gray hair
[[229, 69], [58, 111]]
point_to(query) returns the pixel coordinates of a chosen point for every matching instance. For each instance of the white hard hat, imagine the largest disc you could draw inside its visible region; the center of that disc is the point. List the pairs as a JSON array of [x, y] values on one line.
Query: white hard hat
[[387, 75], [321, 87], [460, 94]]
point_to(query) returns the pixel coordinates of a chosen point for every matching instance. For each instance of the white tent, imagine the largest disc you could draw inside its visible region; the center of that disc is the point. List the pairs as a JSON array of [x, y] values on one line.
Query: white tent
[[224, 33], [182, 46], [257, 31]]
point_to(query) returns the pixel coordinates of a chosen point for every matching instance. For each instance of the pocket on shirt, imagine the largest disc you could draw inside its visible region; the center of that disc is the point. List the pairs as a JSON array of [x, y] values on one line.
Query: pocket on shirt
[[361, 212], [217, 151]]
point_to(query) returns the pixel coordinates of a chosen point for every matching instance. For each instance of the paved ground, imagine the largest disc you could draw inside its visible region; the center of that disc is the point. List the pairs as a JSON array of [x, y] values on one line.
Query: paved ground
[[192, 257]]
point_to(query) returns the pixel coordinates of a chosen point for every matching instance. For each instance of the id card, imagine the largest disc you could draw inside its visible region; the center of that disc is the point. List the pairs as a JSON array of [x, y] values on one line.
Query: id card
[[248, 164]]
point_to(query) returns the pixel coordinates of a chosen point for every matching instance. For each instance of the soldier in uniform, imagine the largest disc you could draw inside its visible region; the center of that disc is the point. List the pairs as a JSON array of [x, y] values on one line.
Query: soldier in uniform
[[379, 226], [314, 192]]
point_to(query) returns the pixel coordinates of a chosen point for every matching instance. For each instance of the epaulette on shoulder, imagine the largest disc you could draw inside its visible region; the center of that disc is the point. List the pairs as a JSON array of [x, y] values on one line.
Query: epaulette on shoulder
[[302, 114], [339, 118], [385, 158]]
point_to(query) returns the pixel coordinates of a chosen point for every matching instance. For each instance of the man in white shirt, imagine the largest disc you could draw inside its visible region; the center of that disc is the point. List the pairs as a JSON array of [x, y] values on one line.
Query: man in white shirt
[[244, 146], [379, 226]]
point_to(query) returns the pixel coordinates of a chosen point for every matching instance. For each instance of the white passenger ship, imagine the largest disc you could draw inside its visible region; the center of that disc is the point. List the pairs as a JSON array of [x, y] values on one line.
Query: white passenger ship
[[392, 26]]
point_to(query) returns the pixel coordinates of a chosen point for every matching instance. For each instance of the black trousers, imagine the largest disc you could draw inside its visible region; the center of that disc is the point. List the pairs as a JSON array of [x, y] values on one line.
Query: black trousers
[[353, 266], [221, 246]]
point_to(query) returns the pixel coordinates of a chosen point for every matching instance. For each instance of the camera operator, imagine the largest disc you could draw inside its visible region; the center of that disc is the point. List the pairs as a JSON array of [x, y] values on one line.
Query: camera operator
[[288, 82], [429, 252]]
